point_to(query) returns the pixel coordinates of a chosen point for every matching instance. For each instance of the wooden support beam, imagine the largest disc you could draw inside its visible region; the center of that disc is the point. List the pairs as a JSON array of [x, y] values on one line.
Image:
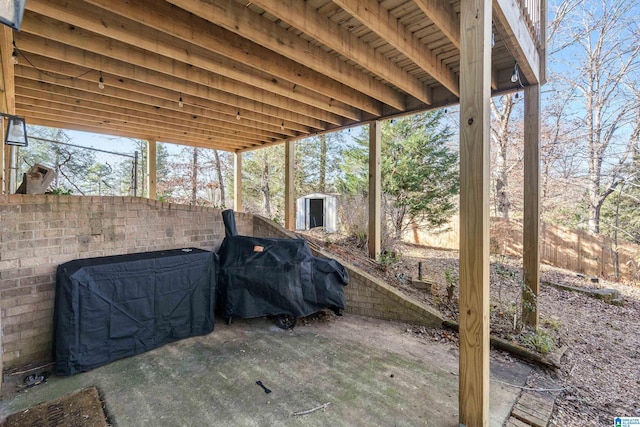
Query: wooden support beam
[[531, 225], [151, 169], [372, 14], [193, 29], [475, 92], [80, 47], [45, 95], [241, 20], [375, 188], [62, 104], [7, 98], [58, 123], [444, 17], [123, 122], [511, 22], [185, 80], [303, 16], [289, 186], [7, 105], [542, 51], [146, 99], [5, 155], [106, 24], [237, 182]]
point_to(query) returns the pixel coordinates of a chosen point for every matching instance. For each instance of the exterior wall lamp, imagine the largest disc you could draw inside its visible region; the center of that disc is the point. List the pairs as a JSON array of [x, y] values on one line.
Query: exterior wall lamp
[[16, 131]]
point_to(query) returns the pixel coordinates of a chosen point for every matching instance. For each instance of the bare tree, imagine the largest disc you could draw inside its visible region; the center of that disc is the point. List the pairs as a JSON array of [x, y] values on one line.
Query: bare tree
[[218, 164], [265, 178], [194, 177], [502, 136], [598, 42]]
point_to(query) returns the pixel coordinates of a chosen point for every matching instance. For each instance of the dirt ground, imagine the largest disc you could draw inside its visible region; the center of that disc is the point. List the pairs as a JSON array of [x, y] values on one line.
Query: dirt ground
[[599, 342]]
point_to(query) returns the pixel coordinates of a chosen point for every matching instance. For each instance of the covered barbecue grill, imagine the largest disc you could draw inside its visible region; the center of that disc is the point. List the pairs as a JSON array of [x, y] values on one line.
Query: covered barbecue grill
[[275, 276]]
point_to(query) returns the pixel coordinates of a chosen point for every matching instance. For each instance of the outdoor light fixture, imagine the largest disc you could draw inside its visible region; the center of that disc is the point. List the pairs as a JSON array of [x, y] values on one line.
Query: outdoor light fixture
[[282, 125], [493, 39], [16, 131], [14, 54], [515, 77], [11, 12], [101, 81], [238, 115], [180, 103]]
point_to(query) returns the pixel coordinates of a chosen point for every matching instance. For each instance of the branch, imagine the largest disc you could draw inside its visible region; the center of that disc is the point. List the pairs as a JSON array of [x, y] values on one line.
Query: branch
[[308, 411]]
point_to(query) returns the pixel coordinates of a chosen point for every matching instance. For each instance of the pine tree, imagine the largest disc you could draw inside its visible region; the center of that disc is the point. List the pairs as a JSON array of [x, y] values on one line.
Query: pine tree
[[419, 171]]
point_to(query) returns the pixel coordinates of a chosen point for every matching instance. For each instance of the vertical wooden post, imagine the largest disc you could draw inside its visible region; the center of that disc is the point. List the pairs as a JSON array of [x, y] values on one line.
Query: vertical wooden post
[[237, 182], [531, 231], [13, 169], [151, 169], [375, 188], [289, 186], [475, 85], [7, 105], [3, 166], [543, 42]]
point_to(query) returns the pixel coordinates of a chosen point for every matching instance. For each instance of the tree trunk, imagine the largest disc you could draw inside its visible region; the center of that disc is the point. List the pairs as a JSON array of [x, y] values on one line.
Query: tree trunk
[[500, 136], [142, 146], [323, 164], [220, 180], [194, 177], [265, 186]]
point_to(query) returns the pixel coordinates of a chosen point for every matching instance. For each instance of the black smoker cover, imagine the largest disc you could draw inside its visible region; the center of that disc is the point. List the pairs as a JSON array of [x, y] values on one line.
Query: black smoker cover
[[270, 276], [112, 307]]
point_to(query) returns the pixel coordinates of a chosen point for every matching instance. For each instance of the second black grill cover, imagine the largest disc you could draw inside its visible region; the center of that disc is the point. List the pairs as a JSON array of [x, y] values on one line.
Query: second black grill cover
[[270, 276]]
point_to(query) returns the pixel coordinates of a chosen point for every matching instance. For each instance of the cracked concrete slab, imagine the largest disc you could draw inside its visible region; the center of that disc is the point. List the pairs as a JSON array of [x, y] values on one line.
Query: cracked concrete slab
[[371, 372]]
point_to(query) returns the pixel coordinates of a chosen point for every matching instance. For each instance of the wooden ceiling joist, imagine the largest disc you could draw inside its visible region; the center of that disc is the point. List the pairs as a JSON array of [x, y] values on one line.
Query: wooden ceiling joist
[[184, 80], [378, 19], [50, 109], [87, 90], [79, 38], [286, 68], [75, 101], [242, 21], [196, 31], [444, 17], [139, 130], [124, 133], [303, 16], [104, 23]]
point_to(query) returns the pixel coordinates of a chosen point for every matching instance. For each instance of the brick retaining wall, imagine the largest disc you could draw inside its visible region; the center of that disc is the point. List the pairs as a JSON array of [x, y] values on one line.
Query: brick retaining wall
[[366, 295], [39, 232]]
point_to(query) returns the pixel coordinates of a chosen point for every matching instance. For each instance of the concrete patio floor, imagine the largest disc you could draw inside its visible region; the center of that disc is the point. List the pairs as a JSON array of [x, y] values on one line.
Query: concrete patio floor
[[372, 372]]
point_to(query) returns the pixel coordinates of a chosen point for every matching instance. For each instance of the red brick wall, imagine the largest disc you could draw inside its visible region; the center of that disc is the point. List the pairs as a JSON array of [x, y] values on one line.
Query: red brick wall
[[39, 232]]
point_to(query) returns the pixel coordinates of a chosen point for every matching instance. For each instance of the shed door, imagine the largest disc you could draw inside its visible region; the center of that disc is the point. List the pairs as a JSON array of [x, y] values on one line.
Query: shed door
[[316, 213], [301, 214], [330, 215]]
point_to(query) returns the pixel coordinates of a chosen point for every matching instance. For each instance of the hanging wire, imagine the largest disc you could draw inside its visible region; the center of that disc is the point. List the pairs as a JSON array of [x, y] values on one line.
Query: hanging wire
[[46, 73]]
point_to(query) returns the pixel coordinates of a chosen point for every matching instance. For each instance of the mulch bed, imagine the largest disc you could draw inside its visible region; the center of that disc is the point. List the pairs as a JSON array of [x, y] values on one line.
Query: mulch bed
[[79, 409]]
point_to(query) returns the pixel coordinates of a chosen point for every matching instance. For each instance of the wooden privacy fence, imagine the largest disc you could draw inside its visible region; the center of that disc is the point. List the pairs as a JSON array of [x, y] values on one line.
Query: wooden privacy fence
[[575, 250]]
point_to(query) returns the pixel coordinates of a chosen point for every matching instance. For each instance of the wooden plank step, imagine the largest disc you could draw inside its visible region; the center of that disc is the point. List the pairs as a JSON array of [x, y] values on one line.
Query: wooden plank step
[[514, 422], [531, 417]]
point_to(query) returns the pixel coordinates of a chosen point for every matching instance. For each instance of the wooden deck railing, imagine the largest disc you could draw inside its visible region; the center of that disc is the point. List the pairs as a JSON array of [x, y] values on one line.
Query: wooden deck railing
[[534, 14]]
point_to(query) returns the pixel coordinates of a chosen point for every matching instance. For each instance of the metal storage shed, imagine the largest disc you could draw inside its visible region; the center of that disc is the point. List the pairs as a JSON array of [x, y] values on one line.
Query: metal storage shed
[[317, 210]]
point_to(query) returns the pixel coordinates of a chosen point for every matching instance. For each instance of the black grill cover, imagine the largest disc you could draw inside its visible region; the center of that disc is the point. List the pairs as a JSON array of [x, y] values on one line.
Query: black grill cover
[[271, 276], [112, 307]]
